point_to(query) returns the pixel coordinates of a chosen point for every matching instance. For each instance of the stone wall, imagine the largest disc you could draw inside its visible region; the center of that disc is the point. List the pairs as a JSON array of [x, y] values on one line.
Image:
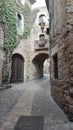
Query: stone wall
[[24, 51], [61, 43], [2, 38], [31, 70], [26, 48], [23, 45]]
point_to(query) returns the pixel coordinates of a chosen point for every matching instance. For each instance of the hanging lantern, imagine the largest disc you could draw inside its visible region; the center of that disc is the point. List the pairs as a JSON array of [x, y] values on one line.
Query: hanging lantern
[[42, 22]]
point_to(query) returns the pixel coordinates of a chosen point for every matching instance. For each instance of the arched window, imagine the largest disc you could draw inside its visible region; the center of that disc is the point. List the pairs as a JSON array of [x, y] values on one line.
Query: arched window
[[41, 18], [20, 23]]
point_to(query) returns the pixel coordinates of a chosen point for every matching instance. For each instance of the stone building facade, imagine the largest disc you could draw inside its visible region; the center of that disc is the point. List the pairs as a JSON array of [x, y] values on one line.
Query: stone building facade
[[33, 54], [12, 23], [61, 53], [26, 48]]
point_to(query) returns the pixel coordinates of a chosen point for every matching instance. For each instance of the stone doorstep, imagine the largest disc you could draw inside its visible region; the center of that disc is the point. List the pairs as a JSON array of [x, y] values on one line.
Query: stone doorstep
[[1, 88], [4, 86]]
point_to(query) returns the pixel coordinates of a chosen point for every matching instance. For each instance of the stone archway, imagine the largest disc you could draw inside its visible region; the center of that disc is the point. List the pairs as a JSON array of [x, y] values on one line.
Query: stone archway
[[38, 61], [17, 68]]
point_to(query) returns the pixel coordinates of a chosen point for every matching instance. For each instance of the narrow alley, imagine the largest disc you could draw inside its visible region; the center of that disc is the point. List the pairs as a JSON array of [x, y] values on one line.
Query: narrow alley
[[36, 65], [31, 99]]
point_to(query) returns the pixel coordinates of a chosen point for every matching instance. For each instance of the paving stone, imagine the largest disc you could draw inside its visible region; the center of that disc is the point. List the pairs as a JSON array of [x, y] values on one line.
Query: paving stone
[[31, 99]]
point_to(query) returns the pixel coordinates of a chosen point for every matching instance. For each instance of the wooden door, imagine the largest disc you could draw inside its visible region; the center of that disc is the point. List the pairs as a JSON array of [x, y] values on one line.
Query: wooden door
[[17, 68]]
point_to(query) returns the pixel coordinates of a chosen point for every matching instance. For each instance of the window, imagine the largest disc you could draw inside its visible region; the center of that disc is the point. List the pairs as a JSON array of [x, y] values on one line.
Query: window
[[47, 31], [41, 40], [55, 59], [42, 18], [42, 37], [20, 23]]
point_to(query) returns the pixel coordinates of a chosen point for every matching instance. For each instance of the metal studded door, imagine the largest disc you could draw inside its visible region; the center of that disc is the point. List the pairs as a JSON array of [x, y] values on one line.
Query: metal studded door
[[17, 68]]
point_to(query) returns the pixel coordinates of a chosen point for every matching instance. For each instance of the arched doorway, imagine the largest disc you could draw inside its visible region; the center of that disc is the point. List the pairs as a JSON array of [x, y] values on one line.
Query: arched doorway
[[38, 61], [17, 69]]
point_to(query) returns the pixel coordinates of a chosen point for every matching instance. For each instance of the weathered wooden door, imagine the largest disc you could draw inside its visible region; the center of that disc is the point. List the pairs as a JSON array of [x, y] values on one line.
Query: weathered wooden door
[[17, 68]]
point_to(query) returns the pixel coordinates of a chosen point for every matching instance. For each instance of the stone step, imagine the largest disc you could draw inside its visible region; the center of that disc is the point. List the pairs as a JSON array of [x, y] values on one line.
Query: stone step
[[5, 86]]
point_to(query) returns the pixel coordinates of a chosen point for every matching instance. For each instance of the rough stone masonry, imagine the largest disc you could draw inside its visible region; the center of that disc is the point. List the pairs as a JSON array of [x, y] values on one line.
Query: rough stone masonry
[[61, 53]]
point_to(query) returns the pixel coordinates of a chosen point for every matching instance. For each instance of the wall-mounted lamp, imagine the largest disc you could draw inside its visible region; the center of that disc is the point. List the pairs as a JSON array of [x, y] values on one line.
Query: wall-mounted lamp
[[42, 22]]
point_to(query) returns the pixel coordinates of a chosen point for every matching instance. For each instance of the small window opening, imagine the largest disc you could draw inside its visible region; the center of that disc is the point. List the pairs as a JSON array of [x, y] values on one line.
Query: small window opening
[[55, 58], [19, 16], [20, 23], [47, 31], [41, 40], [41, 37]]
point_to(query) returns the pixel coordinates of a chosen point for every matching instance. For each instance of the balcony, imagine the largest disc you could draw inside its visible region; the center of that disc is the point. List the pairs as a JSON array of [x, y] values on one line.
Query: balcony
[[41, 45]]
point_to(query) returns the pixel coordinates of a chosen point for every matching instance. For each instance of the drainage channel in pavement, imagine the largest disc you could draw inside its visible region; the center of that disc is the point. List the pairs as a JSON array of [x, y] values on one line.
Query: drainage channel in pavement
[[30, 123]]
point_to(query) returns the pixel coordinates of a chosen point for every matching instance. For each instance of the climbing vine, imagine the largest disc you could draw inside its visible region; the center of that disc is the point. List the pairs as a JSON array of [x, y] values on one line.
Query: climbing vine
[[8, 15], [11, 26], [8, 18], [8, 10], [1, 11]]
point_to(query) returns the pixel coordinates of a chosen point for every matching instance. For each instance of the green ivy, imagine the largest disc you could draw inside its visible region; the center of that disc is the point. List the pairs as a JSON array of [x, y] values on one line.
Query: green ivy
[[11, 26], [7, 16], [2, 11], [8, 9]]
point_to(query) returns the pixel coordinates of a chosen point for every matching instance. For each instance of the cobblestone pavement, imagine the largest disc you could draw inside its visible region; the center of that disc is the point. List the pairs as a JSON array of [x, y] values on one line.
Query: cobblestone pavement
[[8, 99], [31, 99]]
